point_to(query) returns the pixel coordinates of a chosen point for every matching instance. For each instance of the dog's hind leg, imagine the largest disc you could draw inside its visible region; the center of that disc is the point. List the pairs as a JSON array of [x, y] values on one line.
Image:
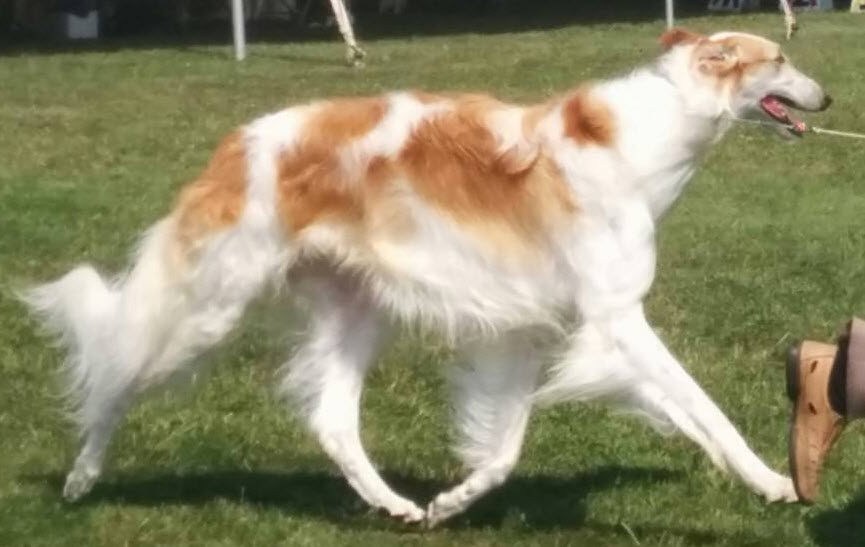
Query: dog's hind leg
[[134, 336], [494, 401], [106, 403], [193, 275], [325, 379]]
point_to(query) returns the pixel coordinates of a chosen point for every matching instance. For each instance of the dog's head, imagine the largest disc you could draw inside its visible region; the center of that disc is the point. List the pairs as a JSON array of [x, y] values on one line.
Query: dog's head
[[749, 76]]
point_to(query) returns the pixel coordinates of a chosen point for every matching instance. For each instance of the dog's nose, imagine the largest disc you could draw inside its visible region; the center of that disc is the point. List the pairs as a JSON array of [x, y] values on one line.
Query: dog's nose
[[827, 100]]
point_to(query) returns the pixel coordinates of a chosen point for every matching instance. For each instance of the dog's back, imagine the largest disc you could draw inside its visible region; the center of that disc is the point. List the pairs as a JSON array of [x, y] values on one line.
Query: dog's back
[[411, 190]]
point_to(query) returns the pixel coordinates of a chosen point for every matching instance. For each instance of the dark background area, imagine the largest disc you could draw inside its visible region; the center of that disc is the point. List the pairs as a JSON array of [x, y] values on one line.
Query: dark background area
[[27, 24]]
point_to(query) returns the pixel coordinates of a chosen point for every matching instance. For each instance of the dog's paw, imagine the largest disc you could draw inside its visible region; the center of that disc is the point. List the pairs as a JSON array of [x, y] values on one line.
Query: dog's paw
[[405, 511], [78, 483], [443, 507], [782, 490]]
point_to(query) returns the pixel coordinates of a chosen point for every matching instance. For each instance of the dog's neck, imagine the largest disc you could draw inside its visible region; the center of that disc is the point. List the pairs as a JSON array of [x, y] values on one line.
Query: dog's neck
[[665, 123]]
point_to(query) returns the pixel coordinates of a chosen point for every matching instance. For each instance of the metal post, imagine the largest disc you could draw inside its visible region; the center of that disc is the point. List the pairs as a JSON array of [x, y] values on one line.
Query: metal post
[[239, 29], [669, 13]]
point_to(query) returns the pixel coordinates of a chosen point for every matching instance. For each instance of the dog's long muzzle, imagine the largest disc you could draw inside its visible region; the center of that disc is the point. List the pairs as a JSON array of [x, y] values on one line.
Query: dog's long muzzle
[[822, 105], [803, 93]]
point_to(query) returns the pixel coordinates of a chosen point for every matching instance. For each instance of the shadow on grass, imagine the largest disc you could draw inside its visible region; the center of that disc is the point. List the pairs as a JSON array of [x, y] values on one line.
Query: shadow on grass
[[541, 502], [840, 527]]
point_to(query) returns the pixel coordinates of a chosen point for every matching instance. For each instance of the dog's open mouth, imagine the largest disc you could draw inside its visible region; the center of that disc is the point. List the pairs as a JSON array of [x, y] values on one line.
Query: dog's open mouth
[[775, 107]]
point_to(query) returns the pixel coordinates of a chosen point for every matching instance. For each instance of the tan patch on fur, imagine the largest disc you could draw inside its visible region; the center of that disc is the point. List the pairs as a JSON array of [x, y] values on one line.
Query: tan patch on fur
[[312, 185], [453, 162], [216, 199], [729, 59], [678, 36], [588, 120], [311, 181], [342, 120], [751, 49]]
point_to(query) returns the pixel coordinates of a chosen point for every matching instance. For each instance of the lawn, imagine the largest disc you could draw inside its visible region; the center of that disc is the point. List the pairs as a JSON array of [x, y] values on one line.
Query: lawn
[[767, 245]]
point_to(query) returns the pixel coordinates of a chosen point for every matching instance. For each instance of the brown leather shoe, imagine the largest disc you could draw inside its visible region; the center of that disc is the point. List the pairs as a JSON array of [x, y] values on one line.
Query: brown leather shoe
[[815, 424]]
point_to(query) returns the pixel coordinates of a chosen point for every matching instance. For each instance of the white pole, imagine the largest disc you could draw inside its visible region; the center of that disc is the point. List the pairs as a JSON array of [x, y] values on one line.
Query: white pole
[[669, 13], [354, 54], [239, 29]]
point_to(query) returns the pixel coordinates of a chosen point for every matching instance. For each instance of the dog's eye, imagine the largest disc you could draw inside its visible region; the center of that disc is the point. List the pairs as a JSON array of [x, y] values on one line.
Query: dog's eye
[[780, 59]]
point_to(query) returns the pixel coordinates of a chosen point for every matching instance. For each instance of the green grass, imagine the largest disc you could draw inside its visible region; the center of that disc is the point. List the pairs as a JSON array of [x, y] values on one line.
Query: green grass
[[767, 245]]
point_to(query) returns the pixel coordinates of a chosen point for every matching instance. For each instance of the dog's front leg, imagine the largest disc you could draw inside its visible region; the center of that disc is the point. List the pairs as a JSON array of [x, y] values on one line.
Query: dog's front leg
[[633, 336], [615, 263]]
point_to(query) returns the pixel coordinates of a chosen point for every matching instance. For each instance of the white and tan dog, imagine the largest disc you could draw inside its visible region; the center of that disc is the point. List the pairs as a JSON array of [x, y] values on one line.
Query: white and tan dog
[[483, 220]]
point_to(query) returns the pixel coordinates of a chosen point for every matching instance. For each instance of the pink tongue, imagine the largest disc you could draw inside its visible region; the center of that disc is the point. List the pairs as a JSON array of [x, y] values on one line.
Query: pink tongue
[[774, 107]]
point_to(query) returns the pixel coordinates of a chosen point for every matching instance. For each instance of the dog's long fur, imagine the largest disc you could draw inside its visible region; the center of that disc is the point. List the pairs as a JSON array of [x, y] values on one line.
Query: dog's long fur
[[486, 221]]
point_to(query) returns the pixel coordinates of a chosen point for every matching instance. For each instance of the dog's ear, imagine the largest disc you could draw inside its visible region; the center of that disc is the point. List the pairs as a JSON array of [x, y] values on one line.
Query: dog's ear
[[678, 36], [716, 58]]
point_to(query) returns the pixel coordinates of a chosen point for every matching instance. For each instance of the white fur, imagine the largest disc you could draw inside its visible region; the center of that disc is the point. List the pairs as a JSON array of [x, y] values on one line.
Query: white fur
[[598, 268]]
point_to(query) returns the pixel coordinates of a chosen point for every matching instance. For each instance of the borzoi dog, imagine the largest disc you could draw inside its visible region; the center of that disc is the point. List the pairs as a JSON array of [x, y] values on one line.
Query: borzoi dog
[[485, 221]]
